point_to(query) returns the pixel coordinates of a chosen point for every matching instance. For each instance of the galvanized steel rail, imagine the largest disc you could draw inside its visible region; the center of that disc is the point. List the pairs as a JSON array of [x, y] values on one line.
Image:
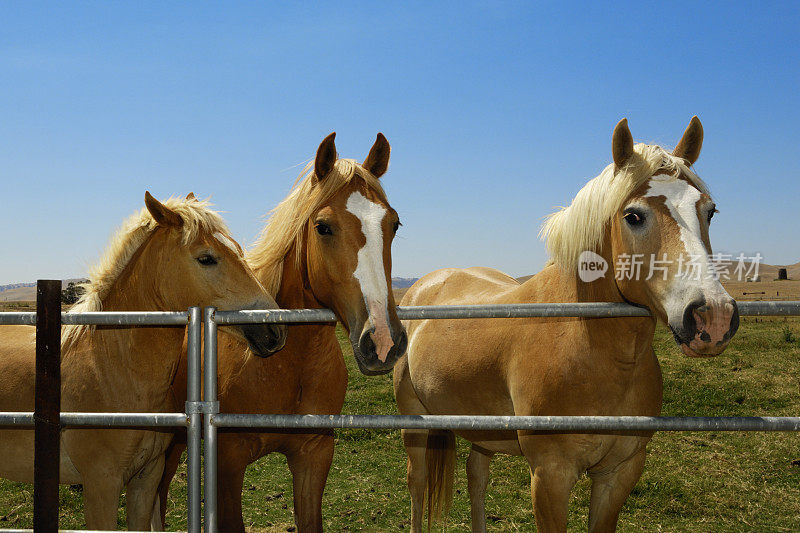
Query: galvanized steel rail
[[108, 420], [535, 310], [583, 424], [195, 421]]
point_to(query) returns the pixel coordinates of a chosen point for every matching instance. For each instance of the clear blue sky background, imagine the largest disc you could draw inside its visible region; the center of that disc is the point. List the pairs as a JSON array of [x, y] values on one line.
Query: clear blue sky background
[[496, 113]]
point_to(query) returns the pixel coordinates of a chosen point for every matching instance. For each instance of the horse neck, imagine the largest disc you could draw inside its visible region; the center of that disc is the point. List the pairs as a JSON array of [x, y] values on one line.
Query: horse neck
[[295, 290], [623, 339], [144, 356]]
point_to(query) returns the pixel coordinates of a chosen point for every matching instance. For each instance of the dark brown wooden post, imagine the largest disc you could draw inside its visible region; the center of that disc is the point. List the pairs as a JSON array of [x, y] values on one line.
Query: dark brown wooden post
[[46, 414]]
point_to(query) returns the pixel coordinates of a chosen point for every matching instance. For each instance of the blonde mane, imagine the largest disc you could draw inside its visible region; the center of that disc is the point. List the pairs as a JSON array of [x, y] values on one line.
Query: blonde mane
[[581, 226], [134, 232], [286, 224]]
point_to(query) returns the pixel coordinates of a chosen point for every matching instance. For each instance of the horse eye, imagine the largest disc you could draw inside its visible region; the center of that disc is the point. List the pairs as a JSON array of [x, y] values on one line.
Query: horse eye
[[711, 214], [323, 229], [206, 260], [396, 226], [634, 219]]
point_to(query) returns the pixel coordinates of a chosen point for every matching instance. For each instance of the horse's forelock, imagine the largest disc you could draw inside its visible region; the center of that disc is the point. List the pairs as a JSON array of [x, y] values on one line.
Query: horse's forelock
[[284, 228], [581, 225]]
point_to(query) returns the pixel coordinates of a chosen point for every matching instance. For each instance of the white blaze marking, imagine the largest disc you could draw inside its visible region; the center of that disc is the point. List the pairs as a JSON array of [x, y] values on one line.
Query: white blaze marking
[[370, 272], [681, 199]]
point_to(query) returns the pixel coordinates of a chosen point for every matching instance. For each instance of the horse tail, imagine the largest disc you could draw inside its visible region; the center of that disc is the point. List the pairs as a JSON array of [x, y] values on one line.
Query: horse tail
[[440, 459]]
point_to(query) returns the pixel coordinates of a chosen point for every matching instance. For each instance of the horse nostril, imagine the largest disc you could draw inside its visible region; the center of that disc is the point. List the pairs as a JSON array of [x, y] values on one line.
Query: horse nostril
[[689, 322], [278, 334], [366, 344]]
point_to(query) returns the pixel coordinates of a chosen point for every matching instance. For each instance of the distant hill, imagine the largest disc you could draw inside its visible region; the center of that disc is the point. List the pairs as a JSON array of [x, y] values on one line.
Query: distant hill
[[403, 283], [11, 286], [26, 292]]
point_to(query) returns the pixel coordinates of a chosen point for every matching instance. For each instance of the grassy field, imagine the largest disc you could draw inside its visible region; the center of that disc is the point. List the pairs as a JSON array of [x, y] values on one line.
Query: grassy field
[[692, 481]]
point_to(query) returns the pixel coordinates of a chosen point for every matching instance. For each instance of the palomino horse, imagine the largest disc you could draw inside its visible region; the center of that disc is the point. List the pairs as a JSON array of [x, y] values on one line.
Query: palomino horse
[[170, 256], [328, 244], [648, 205]]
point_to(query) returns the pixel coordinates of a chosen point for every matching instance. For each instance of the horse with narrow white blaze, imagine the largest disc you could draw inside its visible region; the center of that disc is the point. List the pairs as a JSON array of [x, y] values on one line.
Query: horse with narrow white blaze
[[168, 257], [649, 205], [327, 245]]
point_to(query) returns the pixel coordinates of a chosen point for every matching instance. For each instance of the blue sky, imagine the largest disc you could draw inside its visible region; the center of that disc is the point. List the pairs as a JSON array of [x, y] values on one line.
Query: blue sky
[[496, 113]]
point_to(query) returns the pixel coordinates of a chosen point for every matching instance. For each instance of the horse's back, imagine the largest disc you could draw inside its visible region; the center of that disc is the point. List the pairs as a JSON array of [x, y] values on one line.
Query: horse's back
[[450, 286]]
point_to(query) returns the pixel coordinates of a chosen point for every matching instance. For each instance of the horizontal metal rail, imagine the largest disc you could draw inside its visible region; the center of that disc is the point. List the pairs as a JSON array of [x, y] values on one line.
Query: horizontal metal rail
[[103, 318], [9, 318], [299, 316], [500, 423], [82, 419], [59, 531], [532, 310]]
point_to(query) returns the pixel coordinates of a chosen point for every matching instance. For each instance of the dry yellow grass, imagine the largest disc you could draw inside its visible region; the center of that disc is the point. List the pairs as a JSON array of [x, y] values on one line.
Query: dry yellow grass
[[773, 290]]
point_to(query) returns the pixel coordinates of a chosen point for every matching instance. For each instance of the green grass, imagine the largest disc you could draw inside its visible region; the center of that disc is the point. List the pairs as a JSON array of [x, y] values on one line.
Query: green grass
[[692, 482]]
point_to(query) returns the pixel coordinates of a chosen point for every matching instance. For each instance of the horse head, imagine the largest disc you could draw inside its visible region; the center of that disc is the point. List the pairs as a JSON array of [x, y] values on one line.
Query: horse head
[[195, 262], [665, 223]]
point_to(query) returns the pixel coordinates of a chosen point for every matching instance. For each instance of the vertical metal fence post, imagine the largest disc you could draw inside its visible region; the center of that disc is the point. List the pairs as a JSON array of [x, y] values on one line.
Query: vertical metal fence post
[[47, 408], [194, 431], [210, 431]]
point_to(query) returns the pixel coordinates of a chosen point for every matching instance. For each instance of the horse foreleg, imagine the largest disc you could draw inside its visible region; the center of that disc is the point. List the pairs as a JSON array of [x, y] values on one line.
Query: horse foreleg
[[141, 497], [416, 443], [310, 464], [171, 463], [234, 456], [101, 500], [477, 480], [551, 483], [610, 490]]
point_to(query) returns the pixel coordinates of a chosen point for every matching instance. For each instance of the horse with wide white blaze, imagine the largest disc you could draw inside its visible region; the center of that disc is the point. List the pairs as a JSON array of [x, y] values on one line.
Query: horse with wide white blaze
[[327, 245], [170, 256], [649, 205]]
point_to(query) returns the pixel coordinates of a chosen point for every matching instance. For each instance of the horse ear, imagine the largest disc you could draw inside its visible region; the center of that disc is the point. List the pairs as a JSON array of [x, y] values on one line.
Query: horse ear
[[191, 196], [691, 142], [161, 213], [378, 159], [326, 157], [622, 143]]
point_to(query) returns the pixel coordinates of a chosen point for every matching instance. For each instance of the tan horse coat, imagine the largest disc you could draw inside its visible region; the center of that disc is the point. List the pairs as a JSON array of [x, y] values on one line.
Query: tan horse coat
[[312, 250], [152, 266], [565, 366]]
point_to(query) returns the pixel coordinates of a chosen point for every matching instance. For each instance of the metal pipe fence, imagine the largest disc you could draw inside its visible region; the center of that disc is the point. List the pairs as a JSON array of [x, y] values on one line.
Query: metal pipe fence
[[203, 416], [191, 419], [586, 424]]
